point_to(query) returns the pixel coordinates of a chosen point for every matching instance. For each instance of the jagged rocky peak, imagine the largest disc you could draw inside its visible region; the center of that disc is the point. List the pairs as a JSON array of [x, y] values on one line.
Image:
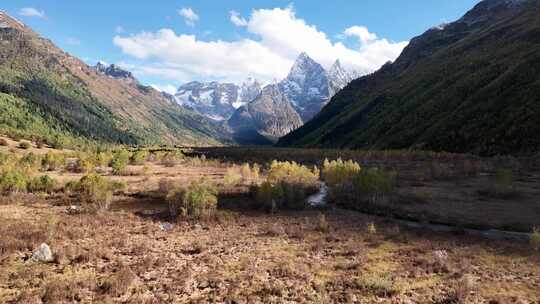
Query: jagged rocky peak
[[338, 77], [249, 90], [217, 100], [214, 100], [7, 21], [114, 71], [304, 69], [270, 116], [309, 86]]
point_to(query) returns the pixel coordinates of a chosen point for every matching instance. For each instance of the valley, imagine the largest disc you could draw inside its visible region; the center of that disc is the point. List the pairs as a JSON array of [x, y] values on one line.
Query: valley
[[277, 163]]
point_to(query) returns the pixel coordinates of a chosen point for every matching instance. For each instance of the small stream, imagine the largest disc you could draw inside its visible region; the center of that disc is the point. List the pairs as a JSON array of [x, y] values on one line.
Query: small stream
[[319, 199]]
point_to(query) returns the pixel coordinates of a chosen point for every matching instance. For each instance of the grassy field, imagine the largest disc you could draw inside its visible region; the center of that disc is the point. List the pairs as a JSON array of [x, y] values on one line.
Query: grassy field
[[244, 252], [456, 189]]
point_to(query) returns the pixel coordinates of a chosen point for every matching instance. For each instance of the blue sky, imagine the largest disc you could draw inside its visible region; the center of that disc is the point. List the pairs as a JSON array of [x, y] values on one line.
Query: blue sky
[[170, 42]]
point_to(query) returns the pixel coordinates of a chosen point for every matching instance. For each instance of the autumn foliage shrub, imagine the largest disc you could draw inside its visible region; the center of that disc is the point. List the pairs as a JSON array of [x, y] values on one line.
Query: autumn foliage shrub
[[287, 186], [94, 191], [348, 183], [120, 162], [42, 183], [12, 181], [52, 161], [338, 171], [139, 157], [196, 201]]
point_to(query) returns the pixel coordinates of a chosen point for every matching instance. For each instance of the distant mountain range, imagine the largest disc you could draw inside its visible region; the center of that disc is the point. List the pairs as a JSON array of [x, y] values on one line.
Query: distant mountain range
[[258, 115], [216, 100], [47, 94], [469, 86]]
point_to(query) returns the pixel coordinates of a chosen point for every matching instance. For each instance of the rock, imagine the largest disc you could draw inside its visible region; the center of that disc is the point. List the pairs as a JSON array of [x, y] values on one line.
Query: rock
[[73, 209], [166, 226], [43, 254]]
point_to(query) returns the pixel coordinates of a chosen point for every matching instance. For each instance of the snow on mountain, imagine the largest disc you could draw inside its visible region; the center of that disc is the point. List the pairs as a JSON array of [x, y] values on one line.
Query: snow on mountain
[[248, 91], [216, 100], [338, 78], [309, 86]]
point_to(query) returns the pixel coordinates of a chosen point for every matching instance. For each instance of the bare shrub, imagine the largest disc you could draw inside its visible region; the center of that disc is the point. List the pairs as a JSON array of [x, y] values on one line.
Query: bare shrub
[[439, 171], [322, 224], [381, 285], [371, 228], [165, 185], [275, 230], [170, 159], [535, 238], [118, 284], [440, 261], [462, 289], [504, 186], [232, 177], [24, 145]]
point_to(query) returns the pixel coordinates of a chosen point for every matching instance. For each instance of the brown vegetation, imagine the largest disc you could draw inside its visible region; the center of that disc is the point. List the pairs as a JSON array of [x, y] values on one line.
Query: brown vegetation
[[222, 251]]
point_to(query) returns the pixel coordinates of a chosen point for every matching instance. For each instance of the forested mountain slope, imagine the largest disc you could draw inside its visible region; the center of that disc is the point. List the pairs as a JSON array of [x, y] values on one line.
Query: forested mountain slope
[[469, 86], [47, 94]]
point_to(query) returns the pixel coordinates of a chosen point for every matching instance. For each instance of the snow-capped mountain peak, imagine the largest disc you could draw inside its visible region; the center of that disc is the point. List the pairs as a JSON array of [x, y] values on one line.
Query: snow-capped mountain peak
[[338, 77], [309, 86], [303, 67], [217, 100]]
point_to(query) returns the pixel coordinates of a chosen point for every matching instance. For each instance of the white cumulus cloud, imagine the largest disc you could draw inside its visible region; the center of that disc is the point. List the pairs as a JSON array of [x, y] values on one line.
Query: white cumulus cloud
[[236, 19], [361, 32], [279, 36], [31, 12], [190, 17]]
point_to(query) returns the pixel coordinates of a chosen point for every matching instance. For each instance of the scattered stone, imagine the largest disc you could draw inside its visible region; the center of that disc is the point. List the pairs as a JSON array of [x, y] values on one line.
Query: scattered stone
[[440, 257], [73, 209], [166, 226], [43, 254]]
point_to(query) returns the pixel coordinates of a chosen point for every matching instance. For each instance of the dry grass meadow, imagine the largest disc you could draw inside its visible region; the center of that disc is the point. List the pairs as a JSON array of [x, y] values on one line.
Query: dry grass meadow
[[244, 253]]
